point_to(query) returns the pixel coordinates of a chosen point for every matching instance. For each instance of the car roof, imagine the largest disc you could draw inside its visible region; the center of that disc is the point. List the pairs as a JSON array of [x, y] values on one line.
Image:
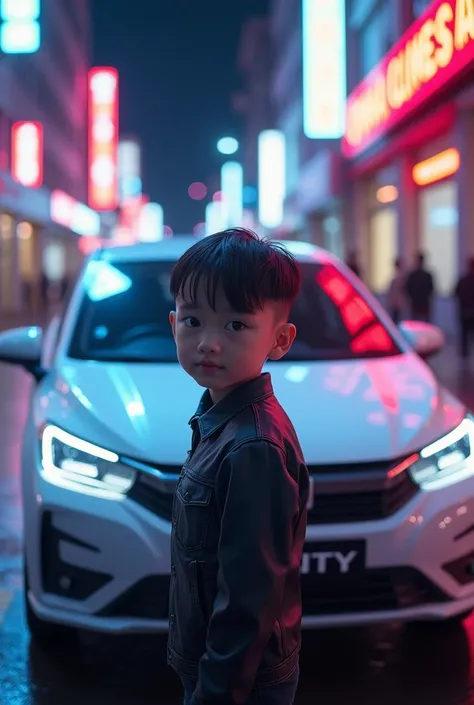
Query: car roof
[[172, 248]]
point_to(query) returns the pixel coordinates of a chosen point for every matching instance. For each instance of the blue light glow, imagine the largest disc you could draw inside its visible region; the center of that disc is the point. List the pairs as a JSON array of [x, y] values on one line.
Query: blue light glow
[[249, 195], [131, 186], [216, 217], [20, 9], [20, 37], [227, 145], [271, 177], [443, 217], [232, 192], [102, 280], [324, 68]]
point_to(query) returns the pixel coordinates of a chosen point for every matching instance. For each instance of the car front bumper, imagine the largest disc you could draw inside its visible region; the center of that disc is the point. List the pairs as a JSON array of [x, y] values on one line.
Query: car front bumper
[[104, 565]]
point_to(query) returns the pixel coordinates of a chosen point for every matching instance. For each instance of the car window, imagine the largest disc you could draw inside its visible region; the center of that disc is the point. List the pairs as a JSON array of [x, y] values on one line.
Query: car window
[[124, 316]]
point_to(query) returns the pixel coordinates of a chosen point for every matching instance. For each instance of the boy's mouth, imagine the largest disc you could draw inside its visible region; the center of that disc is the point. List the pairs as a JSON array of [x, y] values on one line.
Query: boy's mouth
[[209, 365]]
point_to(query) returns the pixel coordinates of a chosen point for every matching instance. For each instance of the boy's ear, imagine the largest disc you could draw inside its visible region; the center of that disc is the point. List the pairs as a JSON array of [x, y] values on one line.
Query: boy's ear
[[172, 319], [284, 340]]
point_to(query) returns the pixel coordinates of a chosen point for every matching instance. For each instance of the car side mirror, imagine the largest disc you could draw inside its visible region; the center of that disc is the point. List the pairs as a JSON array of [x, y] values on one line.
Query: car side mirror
[[22, 346], [425, 338]]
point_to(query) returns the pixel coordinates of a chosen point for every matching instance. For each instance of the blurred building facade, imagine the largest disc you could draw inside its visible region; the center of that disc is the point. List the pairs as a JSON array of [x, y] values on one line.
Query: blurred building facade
[[314, 177], [253, 102], [49, 87], [409, 142], [402, 184]]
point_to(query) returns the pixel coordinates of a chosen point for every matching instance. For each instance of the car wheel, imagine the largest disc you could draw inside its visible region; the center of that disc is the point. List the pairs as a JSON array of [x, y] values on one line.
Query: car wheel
[[45, 633]]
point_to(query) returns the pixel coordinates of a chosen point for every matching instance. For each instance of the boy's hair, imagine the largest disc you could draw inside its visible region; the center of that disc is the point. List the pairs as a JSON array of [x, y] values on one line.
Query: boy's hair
[[251, 271]]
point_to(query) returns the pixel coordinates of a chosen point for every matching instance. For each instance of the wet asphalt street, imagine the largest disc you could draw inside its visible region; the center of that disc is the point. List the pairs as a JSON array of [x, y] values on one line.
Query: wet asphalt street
[[389, 665]]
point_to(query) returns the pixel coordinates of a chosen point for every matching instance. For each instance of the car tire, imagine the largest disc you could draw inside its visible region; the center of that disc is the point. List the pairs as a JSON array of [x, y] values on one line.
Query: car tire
[[48, 634]]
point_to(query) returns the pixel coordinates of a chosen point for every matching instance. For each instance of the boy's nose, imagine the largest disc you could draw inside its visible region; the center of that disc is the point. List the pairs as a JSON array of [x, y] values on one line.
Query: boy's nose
[[209, 345]]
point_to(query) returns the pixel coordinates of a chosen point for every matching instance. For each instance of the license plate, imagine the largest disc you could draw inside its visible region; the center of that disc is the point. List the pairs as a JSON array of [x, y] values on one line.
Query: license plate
[[335, 558]]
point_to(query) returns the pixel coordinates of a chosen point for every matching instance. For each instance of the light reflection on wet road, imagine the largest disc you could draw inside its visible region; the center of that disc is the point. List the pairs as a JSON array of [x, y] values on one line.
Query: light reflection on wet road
[[387, 665]]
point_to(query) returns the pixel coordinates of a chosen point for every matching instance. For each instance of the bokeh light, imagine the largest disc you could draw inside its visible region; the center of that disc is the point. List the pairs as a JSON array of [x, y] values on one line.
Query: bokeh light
[[217, 196], [197, 191], [227, 145], [167, 231], [249, 195], [199, 229]]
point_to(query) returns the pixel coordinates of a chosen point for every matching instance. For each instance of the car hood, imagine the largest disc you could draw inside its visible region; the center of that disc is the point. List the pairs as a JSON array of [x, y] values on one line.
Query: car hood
[[343, 411]]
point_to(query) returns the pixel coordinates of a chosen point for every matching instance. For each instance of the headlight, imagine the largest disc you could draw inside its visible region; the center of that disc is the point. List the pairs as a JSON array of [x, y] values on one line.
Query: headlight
[[77, 465], [448, 460]]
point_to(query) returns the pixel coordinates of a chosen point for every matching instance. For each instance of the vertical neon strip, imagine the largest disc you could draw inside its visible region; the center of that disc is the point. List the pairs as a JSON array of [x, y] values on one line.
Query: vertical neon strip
[[232, 187], [151, 223], [216, 217], [271, 177], [103, 139], [27, 153], [324, 68]]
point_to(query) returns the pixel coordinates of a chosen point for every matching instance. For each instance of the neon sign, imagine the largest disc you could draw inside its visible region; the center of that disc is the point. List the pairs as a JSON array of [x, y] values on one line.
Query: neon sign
[[72, 214], [27, 153], [436, 168], [232, 184], [436, 49], [103, 139], [271, 177], [324, 68]]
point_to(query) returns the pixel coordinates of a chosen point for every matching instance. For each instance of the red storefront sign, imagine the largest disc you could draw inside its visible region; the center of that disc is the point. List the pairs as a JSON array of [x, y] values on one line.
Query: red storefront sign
[[436, 49], [27, 153], [103, 139]]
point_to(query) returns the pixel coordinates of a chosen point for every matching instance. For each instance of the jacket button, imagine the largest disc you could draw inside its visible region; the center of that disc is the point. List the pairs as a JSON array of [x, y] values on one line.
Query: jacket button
[[174, 522], [171, 618], [173, 571], [186, 496]]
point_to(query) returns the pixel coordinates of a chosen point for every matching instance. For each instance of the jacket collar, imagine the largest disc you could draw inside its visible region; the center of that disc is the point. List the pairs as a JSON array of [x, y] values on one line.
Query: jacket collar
[[210, 417]]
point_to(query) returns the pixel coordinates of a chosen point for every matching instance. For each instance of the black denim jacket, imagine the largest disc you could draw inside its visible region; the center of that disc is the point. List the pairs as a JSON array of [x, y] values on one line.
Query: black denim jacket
[[238, 528]]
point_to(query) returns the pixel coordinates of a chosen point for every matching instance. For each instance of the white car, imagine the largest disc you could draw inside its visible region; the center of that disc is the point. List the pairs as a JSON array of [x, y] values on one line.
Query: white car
[[390, 519]]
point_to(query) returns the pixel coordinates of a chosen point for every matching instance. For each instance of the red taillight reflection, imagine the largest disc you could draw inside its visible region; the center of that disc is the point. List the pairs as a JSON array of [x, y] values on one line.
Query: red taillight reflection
[[374, 339], [356, 314], [333, 283]]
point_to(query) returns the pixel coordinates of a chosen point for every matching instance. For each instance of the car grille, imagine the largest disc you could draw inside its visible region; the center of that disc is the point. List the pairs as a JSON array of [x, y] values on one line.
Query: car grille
[[155, 500], [358, 492], [342, 493], [373, 590]]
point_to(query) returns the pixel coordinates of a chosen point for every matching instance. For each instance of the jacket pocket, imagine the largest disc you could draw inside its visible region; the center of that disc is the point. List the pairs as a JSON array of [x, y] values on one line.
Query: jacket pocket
[[192, 513], [198, 590], [282, 639]]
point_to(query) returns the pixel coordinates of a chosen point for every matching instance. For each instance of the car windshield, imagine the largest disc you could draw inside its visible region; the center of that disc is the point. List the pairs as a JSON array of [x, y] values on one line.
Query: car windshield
[[123, 316]]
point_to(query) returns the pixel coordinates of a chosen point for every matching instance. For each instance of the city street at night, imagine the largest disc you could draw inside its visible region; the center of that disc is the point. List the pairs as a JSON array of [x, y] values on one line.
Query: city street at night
[[237, 352], [386, 664]]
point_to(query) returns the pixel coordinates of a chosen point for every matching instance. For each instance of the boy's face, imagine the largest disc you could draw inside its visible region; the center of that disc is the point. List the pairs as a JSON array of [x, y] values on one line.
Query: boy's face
[[221, 349]]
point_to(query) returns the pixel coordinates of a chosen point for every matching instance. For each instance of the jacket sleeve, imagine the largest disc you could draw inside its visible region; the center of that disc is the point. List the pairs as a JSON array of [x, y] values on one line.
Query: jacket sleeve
[[259, 504]]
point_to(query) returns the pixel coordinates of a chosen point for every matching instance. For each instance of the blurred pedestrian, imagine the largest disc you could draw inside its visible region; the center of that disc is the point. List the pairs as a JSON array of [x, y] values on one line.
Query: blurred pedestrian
[[464, 293], [353, 263], [396, 295], [239, 514], [420, 289]]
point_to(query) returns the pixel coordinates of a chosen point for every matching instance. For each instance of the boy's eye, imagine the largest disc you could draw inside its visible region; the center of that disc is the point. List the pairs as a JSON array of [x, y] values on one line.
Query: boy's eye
[[191, 322], [235, 326]]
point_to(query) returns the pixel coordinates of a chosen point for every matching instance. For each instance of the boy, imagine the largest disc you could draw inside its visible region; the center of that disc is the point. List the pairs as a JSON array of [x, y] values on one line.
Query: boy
[[239, 513]]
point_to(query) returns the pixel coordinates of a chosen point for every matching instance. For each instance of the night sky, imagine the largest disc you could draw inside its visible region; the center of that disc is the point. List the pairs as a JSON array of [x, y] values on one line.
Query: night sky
[[177, 61]]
